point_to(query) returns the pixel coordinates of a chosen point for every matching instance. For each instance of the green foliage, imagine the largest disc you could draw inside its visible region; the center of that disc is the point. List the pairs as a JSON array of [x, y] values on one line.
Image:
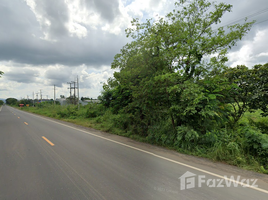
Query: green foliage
[[25, 102], [162, 71], [106, 97], [261, 124], [1, 73], [187, 137], [247, 90], [1, 102], [68, 112], [168, 93], [240, 91], [256, 144], [85, 98], [161, 133], [121, 121], [259, 81], [11, 101], [231, 152], [93, 110]]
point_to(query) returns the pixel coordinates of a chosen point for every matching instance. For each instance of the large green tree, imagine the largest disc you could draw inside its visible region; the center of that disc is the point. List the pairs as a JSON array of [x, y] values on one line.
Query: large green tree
[[11, 101], [1, 73], [245, 89], [259, 82], [162, 69]]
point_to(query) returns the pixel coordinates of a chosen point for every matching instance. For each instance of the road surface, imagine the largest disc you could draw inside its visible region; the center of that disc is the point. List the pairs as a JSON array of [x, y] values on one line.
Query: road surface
[[42, 158]]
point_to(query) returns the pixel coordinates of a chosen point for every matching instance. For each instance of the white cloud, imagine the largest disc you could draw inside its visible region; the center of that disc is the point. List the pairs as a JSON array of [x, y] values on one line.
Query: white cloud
[[141, 9], [241, 57], [251, 50], [79, 16], [262, 54]]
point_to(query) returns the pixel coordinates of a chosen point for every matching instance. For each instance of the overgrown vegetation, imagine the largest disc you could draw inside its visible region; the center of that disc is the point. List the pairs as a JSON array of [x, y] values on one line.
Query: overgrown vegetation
[[173, 88]]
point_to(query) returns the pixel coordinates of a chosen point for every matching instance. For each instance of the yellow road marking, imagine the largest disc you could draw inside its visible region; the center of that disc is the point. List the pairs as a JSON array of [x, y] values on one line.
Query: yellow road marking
[[26, 123], [18, 117], [48, 141]]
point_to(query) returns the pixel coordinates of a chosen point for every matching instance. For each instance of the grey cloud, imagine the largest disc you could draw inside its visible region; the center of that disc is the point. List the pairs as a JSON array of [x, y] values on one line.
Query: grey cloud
[[58, 76], [259, 60], [251, 9], [154, 3], [18, 24], [108, 9], [69, 52], [56, 13], [18, 44], [16, 20], [23, 75]]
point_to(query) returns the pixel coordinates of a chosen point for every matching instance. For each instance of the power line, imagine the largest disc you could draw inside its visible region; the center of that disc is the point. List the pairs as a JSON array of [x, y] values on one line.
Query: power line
[[261, 22], [248, 16]]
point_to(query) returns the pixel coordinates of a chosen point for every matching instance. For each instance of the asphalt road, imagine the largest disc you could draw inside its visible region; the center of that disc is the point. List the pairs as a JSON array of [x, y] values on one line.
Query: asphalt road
[[42, 158]]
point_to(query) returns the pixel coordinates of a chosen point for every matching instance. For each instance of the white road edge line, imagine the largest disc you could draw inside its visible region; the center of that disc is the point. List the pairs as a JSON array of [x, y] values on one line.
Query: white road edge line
[[158, 156]]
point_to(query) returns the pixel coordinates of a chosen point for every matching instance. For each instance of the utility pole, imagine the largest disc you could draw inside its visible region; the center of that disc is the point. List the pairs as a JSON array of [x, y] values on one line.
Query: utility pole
[[33, 99], [77, 92], [70, 90], [73, 99], [54, 95], [41, 95], [74, 92]]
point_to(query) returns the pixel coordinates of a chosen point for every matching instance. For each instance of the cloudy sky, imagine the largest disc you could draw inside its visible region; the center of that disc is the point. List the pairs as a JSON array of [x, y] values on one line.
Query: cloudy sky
[[47, 42]]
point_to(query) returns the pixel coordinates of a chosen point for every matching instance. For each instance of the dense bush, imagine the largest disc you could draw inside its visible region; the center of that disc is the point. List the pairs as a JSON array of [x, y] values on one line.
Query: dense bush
[[256, 144], [69, 111]]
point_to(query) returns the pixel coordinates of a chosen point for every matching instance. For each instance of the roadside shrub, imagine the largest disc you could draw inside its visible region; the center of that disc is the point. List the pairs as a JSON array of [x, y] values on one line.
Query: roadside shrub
[[261, 123], [90, 113], [94, 110], [256, 144], [161, 133], [186, 138], [69, 111], [121, 121]]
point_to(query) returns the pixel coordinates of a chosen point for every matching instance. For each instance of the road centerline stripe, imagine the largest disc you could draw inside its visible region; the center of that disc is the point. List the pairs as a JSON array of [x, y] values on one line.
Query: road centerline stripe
[[26, 123], [47, 140]]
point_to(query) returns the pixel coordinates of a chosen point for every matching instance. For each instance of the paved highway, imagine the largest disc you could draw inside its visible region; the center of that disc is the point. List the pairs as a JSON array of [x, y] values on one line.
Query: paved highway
[[42, 158]]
